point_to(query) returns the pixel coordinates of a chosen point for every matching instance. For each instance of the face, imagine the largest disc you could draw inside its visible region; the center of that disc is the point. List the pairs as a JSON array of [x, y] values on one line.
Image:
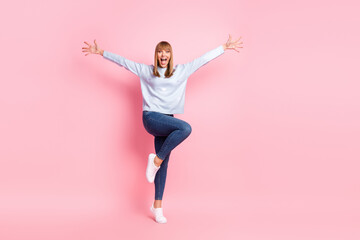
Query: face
[[163, 57]]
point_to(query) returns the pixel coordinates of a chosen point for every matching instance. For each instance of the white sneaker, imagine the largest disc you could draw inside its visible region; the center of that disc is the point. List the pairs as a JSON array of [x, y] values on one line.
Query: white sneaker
[[158, 214], [151, 169]]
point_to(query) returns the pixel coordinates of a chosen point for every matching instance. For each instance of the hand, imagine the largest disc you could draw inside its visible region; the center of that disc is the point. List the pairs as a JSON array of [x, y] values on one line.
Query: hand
[[233, 44], [92, 49]]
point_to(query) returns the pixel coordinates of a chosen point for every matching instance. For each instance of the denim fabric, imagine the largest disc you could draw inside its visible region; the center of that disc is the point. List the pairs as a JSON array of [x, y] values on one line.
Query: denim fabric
[[169, 132]]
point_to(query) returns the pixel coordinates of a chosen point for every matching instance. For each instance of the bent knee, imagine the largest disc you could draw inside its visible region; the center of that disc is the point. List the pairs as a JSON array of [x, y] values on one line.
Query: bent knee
[[187, 129]]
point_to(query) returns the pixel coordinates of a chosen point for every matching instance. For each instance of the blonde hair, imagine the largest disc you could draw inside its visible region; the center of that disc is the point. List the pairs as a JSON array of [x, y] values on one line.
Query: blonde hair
[[163, 45]]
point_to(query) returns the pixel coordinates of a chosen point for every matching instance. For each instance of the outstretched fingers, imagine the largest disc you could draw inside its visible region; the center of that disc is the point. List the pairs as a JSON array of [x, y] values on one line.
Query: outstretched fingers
[[86, 49], [229, 40]]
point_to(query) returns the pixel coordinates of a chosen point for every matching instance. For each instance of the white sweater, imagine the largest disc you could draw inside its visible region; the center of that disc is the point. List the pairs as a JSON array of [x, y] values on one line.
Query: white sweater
[[160, 94]]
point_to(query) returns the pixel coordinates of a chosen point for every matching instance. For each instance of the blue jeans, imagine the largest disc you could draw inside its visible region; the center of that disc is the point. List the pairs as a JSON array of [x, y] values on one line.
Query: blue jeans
[[169, 132]]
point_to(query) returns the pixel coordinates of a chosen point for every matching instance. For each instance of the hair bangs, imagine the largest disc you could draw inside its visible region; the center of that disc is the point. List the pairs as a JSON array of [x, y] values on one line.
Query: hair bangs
[[163, 46]]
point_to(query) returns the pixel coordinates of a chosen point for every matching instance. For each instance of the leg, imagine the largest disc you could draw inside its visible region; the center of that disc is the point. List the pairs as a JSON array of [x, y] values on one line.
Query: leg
[[175, 130], [160, 177], [169, 132]]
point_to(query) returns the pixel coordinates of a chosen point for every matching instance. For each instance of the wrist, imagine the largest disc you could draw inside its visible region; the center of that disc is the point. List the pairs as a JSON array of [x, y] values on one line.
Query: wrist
[[224, 46], [101, 52]]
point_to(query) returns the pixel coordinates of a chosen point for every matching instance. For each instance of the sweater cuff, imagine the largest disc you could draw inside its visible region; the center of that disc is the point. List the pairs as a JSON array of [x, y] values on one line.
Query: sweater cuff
[[104, 53], [221, 48]]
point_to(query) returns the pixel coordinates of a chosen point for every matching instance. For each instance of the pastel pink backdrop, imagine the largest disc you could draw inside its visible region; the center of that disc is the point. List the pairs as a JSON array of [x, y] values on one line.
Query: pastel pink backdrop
[[274, 152]]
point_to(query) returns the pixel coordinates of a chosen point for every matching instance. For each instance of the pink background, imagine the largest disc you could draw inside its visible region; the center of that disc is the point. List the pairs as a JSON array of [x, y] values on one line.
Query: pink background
[[274, 152]]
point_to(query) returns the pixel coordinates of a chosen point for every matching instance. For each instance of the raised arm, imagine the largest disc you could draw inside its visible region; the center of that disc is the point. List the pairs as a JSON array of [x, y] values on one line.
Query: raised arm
[[132, 66], [194, 65]]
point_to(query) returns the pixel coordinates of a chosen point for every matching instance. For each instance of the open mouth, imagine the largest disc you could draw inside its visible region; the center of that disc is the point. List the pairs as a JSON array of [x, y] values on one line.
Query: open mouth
[[163, 61]]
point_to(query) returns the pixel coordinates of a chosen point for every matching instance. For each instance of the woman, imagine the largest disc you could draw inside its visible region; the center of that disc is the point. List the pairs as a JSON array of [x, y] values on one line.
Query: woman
[[163, 90]]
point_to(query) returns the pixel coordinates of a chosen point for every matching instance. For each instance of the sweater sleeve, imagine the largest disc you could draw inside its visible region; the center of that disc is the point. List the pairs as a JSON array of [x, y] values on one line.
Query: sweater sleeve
[[132, 66], [194, 65]]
